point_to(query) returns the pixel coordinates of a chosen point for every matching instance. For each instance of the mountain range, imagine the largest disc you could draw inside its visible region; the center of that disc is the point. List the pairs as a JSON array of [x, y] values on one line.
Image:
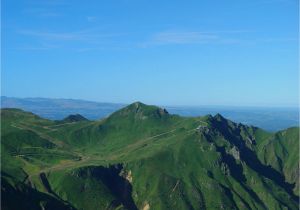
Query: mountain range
[[143, 157], [268, 118]]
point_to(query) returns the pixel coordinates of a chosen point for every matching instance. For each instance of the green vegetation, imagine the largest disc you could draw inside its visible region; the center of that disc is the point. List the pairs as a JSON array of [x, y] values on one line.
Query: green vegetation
[[141, 157]]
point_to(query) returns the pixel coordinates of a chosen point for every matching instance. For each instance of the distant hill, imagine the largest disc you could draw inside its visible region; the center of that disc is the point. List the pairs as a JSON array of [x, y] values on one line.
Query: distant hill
[[271, 119], [143, 157], [74, 118], [57, 109]]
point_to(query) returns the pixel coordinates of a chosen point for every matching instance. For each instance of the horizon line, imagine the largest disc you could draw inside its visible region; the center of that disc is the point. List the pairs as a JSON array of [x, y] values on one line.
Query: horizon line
[[158, 104]]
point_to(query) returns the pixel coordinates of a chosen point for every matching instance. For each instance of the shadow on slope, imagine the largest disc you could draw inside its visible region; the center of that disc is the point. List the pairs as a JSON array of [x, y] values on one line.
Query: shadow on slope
[[249, 156], [23, 197], [119, 186]]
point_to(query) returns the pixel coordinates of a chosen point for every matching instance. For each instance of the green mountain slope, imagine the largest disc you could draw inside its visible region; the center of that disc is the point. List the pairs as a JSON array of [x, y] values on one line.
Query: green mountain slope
[[281, 152], [141, 157]]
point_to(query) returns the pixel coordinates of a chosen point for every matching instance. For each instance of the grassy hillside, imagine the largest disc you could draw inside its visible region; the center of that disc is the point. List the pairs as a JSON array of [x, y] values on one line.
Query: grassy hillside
[[141, 157], [281, 152]]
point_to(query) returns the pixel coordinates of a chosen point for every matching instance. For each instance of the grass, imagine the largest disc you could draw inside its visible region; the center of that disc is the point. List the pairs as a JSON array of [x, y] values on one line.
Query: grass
[[174, 162]]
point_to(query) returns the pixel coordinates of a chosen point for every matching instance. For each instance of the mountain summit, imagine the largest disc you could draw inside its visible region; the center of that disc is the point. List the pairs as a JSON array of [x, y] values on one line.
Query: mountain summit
[[141, 111], [74, 118]]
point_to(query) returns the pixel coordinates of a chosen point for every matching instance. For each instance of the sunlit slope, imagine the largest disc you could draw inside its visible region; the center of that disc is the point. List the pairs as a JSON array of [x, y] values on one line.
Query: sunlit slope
[[141, 157], [281, 151]]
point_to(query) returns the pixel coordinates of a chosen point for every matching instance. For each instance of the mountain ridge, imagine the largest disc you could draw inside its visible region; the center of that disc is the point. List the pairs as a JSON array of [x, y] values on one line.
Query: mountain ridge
[[271, 119]]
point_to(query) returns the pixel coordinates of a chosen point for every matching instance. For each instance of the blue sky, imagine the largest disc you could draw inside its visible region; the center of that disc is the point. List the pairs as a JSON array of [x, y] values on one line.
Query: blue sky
[[236, 52]]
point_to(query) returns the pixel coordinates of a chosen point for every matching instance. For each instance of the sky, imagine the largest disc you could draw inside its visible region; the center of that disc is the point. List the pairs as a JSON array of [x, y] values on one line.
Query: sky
[[173, 52]]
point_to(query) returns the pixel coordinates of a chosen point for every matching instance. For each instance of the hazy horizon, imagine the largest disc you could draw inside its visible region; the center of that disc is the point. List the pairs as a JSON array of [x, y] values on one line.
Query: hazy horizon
[[167, 105]]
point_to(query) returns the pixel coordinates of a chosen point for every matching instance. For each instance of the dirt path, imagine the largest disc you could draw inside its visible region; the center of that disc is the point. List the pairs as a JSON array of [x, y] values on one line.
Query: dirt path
[[85, 159], [42, 135]]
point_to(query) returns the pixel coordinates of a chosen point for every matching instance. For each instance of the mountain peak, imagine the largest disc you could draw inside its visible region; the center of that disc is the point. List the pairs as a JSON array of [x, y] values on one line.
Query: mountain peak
[[137, 105], [141, 111], [219, 117], [74, 118]]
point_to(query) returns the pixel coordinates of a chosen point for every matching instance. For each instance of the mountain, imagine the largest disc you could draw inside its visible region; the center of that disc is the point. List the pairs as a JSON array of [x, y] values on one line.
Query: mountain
[[143, 157], [73, 118], [271, 119]]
